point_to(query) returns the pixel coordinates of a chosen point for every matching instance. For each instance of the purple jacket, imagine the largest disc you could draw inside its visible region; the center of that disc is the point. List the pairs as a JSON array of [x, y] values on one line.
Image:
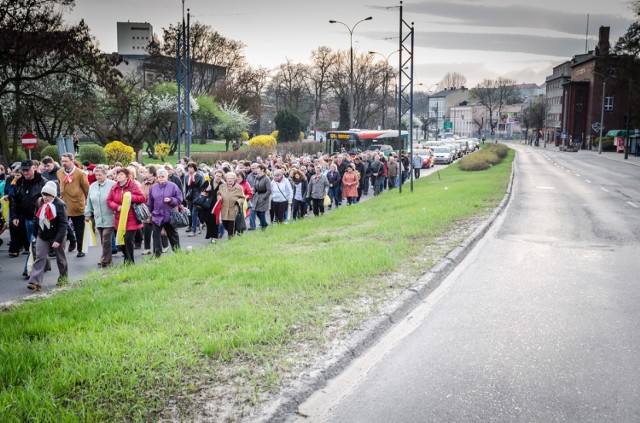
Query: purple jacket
[[161, 211]]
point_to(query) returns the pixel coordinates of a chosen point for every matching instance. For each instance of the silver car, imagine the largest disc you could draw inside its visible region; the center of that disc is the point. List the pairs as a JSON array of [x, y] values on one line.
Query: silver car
[[443, 154]]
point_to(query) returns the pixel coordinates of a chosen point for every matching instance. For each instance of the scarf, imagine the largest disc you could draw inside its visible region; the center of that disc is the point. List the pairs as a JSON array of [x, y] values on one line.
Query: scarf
[[192, 178], [68, 175], [46, 213]]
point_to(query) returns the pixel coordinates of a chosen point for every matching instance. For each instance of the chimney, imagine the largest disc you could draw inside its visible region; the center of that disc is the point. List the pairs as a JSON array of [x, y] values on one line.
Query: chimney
[[603, 40]]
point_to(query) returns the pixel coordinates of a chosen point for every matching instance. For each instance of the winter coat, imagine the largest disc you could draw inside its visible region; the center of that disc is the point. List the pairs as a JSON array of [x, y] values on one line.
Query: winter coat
[[299, 184], [25, 195], [97, 204], [334, 178], [281, 191], [193, 189], [114, 200], [318, 187], [51, 176], [361, 168], [74, 193], [417, 162], [58, 229], [262, 194], [161, 211], [230, 198], [350, 184], [376, 167], [392, 169]]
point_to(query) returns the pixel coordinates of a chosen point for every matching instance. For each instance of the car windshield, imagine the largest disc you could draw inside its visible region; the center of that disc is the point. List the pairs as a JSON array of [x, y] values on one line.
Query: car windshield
[[442, 150]]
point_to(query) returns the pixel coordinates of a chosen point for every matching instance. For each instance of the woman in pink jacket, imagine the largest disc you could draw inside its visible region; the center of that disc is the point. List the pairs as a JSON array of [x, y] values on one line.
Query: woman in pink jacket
[[350, 181], [114, 200]]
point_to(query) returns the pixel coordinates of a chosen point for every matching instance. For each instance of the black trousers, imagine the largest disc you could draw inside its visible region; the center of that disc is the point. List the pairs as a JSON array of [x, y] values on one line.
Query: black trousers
[[277, 210], [78, 229], [127, 248], [172, 234], [318, 206]]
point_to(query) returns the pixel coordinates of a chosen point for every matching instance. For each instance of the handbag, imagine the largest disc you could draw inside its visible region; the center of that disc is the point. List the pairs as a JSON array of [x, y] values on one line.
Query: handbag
[[203, 201], [327, 201], [141, 211], [240, 222], [179, 217]]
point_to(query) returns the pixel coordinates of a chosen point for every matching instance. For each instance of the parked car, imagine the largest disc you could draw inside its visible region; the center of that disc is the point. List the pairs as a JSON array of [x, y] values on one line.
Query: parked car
[[444, 154], [427, 157], [455, 148]]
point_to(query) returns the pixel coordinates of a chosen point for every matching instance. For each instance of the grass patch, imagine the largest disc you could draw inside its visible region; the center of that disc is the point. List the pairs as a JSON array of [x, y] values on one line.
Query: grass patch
[[121, 345]]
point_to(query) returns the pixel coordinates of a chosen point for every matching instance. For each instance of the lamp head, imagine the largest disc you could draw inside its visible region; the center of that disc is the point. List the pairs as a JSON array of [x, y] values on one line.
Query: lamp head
[[369, 18], [332, 21]]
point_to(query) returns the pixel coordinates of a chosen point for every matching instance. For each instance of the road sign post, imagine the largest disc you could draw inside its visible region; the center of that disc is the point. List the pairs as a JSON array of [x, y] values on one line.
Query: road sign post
[[29, 142]]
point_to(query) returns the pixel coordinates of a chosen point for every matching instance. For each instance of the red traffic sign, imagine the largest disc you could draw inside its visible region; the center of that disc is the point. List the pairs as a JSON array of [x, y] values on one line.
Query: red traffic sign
[[29, 141]]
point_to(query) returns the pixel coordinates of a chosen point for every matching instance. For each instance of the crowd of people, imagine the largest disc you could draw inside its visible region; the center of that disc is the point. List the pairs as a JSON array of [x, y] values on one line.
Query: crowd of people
[[50, 205]]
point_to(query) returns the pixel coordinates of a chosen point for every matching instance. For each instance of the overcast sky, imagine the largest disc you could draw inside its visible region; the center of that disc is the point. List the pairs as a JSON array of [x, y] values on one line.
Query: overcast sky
[[521, 39]]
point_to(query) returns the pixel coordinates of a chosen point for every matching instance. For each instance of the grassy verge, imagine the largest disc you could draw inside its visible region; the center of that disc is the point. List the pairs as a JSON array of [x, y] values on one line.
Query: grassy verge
[[121, 344]]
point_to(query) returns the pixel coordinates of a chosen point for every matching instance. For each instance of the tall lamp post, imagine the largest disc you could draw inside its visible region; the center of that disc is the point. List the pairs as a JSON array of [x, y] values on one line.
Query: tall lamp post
[[385, 87], [604, 87], [350, 29]]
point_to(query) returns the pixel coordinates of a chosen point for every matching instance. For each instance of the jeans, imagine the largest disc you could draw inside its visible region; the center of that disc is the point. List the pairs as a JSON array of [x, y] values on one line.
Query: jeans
[[195, 221], [334, 195], [252, 218], [262, 216]]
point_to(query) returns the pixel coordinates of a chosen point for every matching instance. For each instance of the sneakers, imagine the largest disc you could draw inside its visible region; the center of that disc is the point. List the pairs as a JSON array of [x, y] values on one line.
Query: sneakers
[[146, 252], [164, 249], [188, 230], [80, 254], [72, 245], [192, 234]]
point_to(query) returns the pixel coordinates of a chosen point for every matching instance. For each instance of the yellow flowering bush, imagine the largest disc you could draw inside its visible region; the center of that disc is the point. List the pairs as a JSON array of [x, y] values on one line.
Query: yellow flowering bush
[[268, 141], [118, 152], [162, 150], [301, 136], [244, 136], [274, 134]]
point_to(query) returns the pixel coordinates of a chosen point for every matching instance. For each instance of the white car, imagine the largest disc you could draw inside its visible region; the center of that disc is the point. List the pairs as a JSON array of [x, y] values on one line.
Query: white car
[[443, 154]]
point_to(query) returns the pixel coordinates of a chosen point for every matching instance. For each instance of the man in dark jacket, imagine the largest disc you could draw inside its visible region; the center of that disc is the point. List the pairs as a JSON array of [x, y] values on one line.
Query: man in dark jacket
[[377, 171], [50, 231], [23, 203], [361, 168]]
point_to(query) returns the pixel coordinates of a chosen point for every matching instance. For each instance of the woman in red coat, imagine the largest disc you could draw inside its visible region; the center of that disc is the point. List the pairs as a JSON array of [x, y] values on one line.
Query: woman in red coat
[[350, 181], [114, 200]]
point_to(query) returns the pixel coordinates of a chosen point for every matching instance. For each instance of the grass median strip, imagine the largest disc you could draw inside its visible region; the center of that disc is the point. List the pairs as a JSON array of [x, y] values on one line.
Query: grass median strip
[[122, 343]]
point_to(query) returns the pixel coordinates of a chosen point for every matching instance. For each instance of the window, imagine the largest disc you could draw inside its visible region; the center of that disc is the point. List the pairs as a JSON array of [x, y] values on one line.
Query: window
[[608, 104]]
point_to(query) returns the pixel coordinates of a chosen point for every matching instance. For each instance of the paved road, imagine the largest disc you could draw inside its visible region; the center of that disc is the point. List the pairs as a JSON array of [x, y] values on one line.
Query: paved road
[[540, 323], [13, 285]]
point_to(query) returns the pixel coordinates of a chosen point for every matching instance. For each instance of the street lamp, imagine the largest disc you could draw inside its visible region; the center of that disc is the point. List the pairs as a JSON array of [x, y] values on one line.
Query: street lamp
[[350, 29], [385, 87], [604, 87]]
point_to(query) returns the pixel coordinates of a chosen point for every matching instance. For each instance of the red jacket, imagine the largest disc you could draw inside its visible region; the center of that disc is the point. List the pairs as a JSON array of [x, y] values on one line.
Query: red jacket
[[114, 200]]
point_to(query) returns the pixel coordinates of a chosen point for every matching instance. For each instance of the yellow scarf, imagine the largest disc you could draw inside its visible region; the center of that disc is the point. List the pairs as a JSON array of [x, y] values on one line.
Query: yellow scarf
[[124, 215]]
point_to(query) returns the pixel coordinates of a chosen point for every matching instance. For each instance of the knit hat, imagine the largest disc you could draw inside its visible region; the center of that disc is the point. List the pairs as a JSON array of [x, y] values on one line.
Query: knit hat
[[50, 188]]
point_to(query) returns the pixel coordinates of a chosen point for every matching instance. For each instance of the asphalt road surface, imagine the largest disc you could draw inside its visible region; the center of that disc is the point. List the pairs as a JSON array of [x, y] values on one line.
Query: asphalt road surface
[[540, 323]]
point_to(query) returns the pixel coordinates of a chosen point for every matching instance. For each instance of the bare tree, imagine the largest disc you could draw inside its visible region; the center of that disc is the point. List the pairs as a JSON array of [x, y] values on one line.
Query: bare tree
[[292, 90], [35, 44], [207, 47], [322, 63], [453, 80], [494, 95]]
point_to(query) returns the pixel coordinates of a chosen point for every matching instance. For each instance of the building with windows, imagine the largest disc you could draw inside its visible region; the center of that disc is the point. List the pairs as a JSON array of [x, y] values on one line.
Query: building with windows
[[134, 38], [554, 97], [598, 87], [439, 107]]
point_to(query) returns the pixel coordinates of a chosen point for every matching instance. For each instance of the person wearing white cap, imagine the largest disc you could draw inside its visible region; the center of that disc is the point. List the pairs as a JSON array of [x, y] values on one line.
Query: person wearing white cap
[[50, 233]]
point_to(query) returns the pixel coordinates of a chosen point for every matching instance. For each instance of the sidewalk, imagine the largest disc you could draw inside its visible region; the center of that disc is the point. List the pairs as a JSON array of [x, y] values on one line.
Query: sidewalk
[[618, 157]]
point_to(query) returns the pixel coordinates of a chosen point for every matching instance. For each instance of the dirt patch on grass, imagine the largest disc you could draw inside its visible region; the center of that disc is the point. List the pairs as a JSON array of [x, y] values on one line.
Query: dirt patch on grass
[[234, 391]]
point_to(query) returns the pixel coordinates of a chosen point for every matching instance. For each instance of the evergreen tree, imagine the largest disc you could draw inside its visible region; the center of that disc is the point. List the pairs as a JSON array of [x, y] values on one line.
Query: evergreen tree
[[345, 119], [288, 125]]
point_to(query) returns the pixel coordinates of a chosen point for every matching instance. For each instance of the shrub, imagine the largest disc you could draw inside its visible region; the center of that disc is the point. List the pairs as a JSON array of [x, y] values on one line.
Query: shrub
[[52, 151], [228, 156], [489, 156], [162, 150], [36, 153], [244, 136], [119, 152], [275, 133], [267, 141], [301, 136], [93, 153]]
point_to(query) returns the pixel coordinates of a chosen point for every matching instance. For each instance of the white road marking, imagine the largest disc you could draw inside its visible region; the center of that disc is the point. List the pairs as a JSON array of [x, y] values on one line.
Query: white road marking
[[604, 189], [632, 205], [577, 174], [588, 181], [546, 187]]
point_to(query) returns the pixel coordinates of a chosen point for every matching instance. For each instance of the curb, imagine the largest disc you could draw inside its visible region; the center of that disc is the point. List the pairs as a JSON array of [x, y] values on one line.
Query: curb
[[286, 404]]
